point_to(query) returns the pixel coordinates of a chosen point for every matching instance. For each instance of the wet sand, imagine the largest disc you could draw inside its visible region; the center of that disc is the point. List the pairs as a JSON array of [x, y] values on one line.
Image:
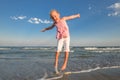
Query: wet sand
[[105, 74], [33, 69]]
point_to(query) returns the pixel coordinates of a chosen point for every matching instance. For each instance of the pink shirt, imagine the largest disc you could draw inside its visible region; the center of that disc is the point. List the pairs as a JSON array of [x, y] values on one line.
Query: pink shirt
[[62, 29]]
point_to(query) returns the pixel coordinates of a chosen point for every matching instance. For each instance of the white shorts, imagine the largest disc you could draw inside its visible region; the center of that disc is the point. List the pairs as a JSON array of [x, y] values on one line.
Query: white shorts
[[63, 42]]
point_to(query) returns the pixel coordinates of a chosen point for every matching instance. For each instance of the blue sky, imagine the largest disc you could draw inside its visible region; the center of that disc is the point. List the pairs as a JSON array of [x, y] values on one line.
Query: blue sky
[[22, 20]]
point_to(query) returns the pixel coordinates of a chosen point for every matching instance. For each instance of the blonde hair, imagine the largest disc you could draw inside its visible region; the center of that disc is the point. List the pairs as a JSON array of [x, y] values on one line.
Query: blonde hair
[[52, 12]]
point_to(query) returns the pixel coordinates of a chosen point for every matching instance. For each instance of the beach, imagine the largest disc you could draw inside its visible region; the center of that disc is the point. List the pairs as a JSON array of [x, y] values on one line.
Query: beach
[[36, 63], [106, 74], [32, 69]]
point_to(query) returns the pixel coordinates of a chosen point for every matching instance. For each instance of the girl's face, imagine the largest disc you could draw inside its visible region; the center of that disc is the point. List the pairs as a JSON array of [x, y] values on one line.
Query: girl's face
[[55, 16]]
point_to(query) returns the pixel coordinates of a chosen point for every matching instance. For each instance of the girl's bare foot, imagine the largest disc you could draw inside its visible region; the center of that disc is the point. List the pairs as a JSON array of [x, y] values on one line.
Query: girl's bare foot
[[63, 67]]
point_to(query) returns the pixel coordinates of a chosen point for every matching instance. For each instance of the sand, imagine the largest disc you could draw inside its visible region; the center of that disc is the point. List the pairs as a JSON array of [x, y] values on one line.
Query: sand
[[33, 69]]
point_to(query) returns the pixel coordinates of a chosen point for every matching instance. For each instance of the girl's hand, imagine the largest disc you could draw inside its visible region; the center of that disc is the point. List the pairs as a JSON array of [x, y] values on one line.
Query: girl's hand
[[43, 30], [78, 15]]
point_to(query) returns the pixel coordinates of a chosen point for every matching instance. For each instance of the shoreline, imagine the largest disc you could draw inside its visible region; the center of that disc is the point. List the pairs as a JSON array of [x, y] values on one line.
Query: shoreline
[[101, 74], [34, 69]]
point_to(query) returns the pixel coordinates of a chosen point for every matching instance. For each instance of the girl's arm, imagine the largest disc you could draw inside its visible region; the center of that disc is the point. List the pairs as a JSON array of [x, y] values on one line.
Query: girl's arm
[[48, 28], [71, 17]]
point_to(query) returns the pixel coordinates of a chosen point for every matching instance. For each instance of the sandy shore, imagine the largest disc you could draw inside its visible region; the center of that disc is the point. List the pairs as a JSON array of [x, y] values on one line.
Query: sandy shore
[[106, 74], [33, 69]]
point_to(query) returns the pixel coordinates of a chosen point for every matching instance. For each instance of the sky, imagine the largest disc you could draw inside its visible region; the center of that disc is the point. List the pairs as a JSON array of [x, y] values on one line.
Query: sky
[[22, 20]]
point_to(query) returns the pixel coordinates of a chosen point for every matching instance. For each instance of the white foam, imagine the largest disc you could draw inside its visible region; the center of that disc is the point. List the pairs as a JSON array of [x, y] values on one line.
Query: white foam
[[106, 48], [71, 51], [90, 48], [90, 70], [5, 48], [101, 50], [52, 78], [32, 48], [76, 72]]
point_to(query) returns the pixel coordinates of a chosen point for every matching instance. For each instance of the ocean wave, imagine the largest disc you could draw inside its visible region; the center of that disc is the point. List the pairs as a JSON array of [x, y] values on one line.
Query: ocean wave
[[45, 77], [5, 48], [90, 70], [71, 51], [91, 48], [97, 48], [36, 48], [100, 50]]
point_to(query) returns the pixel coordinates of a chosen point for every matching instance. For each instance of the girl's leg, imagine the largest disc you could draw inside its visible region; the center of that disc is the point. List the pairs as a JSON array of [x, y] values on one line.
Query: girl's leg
[[56, 61], [65, 61]]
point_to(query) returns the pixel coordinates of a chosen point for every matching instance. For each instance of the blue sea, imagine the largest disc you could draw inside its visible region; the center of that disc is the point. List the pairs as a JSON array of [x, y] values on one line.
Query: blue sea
[[86, 57]]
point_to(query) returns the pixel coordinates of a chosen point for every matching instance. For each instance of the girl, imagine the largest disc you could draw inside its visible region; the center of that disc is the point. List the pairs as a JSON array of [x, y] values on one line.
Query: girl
[[63, 36]]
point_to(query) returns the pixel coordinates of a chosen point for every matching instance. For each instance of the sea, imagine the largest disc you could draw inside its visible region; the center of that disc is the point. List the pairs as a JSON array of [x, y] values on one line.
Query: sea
[[81, 57]]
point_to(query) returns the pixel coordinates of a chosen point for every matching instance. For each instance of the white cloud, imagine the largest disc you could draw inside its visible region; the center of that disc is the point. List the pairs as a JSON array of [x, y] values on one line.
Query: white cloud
[[34, 20], [31, 20], [116, 9], [38, 21], [18, 17]]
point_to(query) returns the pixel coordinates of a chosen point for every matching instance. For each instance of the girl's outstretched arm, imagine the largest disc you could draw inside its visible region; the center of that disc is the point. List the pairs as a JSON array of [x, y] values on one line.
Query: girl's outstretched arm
[[71, 17], [48, 28]]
